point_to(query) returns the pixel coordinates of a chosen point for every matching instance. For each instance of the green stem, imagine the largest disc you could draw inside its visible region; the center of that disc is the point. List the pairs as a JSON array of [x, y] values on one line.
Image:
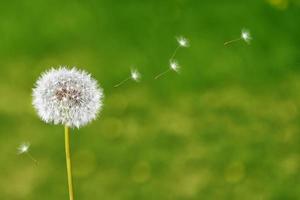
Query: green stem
[[68, 160]]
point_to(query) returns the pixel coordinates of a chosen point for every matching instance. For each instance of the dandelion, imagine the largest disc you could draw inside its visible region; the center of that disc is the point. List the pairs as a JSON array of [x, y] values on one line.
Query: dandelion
[[245, 35], [23, 148], [182, 43], [68, 97], [134, 75], [174, 66]]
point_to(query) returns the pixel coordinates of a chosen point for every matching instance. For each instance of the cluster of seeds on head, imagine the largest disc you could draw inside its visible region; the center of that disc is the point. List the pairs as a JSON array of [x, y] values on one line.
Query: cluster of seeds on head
[[68, 93]]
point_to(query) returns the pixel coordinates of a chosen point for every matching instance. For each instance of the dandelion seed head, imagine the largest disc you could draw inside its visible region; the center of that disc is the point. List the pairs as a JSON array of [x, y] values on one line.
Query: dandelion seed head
[[174, 66], [246, 36], [135, 75], [23, 148], [67, 96], [183, 42]]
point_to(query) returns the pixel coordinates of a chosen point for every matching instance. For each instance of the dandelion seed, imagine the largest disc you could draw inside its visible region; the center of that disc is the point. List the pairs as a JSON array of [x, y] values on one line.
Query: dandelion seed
[[183, 43], [23, 148], [134, 75], [69, 97], [245, 35], [174, 66]]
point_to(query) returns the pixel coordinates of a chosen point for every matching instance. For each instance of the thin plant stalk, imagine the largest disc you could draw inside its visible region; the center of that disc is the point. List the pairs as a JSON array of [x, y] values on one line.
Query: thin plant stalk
[[163, 73], [32, 158], [68, 161], [174, 54], [122, 82], [231, 41]]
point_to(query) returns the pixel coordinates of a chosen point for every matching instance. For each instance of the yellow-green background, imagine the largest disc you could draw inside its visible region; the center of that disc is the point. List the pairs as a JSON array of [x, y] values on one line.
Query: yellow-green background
[[226, 127]]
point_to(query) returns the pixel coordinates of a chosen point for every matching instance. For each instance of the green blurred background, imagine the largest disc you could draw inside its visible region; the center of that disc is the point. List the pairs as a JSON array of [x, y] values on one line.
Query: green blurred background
[[226, 127]]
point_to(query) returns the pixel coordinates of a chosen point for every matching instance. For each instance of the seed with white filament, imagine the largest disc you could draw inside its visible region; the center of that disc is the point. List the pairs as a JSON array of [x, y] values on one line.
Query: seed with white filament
[[245, 35], [134, 75]]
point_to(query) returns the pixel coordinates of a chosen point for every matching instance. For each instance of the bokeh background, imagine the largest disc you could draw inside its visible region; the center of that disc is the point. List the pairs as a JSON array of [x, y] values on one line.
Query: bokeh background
[[226, 127]]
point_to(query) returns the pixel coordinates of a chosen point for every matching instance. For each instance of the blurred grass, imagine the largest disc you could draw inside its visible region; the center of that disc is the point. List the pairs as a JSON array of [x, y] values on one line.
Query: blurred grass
[[225, 128]]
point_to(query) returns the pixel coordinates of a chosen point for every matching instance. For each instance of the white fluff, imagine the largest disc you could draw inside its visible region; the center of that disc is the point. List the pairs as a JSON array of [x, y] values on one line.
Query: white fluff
[[246, 36], [69, 97], [23, 148], [174, 66], [135, 75], [183, 42]]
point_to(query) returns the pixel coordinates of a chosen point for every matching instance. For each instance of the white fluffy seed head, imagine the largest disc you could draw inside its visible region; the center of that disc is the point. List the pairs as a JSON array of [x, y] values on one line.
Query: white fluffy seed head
[[174, 65], [246, 36], [23, 148], [183, 42], [135, 75], [66, 96]]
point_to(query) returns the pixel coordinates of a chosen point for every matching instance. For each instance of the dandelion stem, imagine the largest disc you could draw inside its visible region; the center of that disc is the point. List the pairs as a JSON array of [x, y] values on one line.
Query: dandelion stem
[[122, 82], [32, 158], [231, 41], [174, 54], [159, 75], [68, 160]]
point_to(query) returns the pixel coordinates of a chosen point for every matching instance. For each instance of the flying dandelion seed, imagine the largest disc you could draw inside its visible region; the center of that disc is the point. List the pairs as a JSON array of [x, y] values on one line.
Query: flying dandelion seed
[[245, 35], [134, 75], [23, 148], [182, 43], [173, 66], [69, 97]]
